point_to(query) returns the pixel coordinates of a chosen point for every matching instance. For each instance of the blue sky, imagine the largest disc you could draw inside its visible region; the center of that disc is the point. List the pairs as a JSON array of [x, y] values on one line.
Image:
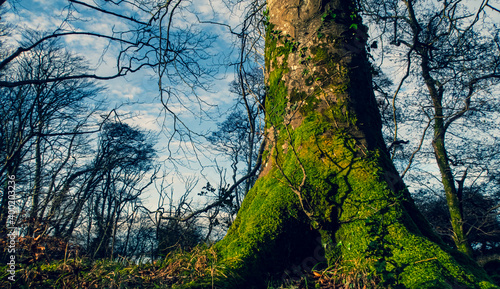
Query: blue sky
[[136, 95]]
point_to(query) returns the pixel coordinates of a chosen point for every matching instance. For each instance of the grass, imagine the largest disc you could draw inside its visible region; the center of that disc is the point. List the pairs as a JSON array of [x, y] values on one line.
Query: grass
[[198, 268], [177, 269]]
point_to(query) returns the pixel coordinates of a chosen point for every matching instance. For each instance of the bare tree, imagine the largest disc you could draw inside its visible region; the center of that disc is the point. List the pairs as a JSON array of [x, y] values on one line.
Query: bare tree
[[453, 53], [124, 158], [171, 233], [326, 171], [239, 136], [43, 123]]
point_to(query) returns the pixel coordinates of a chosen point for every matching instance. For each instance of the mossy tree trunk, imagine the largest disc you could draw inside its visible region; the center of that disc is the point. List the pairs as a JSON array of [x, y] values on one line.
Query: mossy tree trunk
[[326, 174]]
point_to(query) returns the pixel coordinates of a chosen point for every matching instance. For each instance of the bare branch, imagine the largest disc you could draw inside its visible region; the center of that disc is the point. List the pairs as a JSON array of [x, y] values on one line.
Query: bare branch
[[108, 12], [225, 195], [20, 50]]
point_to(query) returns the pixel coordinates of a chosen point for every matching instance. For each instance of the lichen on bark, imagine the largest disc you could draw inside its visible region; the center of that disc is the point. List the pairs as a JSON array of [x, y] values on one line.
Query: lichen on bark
[[326, 173]]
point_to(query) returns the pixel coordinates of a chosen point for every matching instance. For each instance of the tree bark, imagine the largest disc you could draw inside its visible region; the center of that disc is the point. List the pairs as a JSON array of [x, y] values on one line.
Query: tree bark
[[447, 178], [37, 183], [436, 91], [326, 173]]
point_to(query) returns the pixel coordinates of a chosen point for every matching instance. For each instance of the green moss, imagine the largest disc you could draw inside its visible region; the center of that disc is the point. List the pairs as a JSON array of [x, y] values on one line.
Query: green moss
[[276, 101], [322, 183], [334, 75], [340, 188], [276, 54]]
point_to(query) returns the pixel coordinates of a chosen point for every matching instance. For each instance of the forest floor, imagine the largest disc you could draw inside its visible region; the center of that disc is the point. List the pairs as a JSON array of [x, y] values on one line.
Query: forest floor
[[198, 268]]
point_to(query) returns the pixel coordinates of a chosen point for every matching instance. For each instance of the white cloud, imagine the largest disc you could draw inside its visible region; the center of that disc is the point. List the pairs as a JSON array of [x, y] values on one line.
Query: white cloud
[[146, 121], [138, 89], [218, 11], [143, 115]]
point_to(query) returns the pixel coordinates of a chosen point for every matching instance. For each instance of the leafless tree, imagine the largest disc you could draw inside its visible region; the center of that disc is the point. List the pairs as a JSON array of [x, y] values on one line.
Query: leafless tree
[[43, 124], [453, 56]]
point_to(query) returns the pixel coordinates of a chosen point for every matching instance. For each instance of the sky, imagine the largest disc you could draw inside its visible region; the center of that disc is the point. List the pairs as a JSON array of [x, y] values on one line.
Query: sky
[[136, 95]]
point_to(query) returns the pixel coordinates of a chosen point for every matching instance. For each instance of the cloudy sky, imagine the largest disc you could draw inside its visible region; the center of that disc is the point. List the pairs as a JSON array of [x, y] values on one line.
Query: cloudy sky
[[136, 95]]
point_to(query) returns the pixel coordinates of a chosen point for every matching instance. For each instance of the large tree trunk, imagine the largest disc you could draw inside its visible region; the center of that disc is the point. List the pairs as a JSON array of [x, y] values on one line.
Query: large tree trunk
[[326, 173]]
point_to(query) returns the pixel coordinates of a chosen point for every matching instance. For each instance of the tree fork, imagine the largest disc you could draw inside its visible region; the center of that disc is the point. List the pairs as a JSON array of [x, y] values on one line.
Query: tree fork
[[326, 173]]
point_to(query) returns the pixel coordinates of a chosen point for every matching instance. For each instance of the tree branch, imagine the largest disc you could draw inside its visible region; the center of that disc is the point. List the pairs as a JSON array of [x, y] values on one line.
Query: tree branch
[[108, 12], [20, 50], [226, 194]]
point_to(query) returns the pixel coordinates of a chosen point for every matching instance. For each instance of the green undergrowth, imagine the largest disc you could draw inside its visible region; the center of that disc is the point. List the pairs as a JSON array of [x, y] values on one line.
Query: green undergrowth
[[200, 268], [177, 270]]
